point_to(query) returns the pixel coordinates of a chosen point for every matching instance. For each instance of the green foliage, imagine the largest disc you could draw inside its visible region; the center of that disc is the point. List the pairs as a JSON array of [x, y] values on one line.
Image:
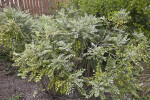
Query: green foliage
[[17, 97], [97, 56], [139, 11], [15, 30], [102, 83]]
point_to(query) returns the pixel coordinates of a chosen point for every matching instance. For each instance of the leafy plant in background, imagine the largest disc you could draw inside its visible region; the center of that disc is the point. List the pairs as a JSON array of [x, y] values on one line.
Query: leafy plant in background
[[15, 30], [97, 56], [139, 11]]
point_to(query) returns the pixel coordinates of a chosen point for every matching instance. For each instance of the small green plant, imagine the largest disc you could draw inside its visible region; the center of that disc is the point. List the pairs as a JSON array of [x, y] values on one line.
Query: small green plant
[[17, 97]]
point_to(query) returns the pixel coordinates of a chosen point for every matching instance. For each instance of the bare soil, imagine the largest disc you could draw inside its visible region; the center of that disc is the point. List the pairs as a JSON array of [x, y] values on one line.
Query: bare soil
[[12, 86]]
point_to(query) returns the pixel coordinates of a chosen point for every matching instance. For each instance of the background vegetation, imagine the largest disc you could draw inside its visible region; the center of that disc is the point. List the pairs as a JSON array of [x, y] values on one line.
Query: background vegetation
[[139, 11]]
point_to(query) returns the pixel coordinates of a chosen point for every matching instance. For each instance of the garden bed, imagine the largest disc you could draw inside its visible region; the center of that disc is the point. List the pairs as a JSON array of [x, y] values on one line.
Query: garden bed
[[72, 54]]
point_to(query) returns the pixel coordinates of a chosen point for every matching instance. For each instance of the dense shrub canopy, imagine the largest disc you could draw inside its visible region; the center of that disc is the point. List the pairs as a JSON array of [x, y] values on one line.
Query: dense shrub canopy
[[15, 30], [97, 56]]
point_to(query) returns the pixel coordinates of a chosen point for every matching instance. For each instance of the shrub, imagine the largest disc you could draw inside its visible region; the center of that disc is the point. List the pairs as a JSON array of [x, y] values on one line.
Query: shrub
[[139, 11], [15, 30], [80, 51]]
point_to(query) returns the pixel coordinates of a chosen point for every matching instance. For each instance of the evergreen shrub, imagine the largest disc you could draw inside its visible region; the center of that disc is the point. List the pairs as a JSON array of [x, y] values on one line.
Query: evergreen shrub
[[15, 30], [95, 55]]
